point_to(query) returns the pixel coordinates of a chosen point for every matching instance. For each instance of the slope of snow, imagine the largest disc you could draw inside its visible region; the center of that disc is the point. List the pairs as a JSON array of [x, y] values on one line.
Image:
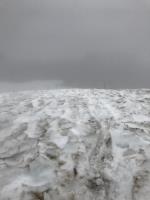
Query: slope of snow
[[75, 145]]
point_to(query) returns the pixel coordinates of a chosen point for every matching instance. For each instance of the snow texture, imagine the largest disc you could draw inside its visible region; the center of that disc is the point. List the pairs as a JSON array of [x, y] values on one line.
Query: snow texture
[[75, 145]]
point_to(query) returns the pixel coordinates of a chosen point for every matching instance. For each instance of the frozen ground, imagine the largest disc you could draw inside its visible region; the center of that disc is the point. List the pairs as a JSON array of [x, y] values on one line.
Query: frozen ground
[[75, 145]]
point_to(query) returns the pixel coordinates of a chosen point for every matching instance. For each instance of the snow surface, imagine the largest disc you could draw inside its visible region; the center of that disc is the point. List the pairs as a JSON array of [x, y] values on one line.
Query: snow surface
[[75, 145]]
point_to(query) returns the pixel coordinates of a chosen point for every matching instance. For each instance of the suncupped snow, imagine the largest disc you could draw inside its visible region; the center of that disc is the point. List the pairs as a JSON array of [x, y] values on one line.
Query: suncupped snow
[[75, 145]]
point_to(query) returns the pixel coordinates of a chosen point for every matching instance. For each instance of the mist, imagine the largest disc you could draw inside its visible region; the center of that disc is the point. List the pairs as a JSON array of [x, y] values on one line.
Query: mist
[[85, 44]]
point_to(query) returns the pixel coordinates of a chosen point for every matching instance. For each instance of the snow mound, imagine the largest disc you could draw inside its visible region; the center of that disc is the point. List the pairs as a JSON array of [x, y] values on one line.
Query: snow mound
[[75, 145]]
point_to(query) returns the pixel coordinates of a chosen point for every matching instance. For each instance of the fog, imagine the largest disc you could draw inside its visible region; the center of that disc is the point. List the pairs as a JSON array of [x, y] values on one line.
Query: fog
[[81, 43]]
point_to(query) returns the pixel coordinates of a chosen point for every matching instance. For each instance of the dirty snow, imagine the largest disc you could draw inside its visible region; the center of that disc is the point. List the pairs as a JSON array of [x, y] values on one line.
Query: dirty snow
[[75, 145]]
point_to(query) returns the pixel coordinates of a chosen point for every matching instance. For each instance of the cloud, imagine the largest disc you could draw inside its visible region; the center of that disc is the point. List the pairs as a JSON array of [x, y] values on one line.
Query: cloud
[[78, 41]]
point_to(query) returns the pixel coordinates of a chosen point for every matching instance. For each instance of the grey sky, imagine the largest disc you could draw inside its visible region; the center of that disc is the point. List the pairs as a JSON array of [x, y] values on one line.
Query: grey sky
[[85, 43]]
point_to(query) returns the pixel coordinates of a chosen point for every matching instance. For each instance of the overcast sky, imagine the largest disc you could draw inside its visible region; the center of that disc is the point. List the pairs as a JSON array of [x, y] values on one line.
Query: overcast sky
[[84, 43]]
